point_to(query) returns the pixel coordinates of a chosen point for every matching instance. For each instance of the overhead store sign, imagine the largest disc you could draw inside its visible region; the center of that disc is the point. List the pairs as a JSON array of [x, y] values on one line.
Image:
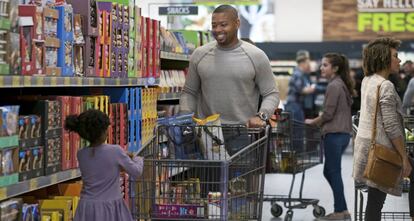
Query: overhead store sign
[[178, 10], [232, 2], [366, 19]]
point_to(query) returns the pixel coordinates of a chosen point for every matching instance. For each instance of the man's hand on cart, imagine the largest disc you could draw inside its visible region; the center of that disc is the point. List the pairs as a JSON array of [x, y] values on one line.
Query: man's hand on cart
[[255, 122]]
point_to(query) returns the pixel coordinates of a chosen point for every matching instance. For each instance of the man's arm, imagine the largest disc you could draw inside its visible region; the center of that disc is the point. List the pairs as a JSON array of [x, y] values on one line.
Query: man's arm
[[192, 87], [267, 85]]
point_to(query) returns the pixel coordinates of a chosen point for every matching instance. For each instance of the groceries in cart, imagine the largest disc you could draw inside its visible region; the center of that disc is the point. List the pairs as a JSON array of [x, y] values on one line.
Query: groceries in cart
[[211, 138], [187, 137], [295, 146], [200, 169]]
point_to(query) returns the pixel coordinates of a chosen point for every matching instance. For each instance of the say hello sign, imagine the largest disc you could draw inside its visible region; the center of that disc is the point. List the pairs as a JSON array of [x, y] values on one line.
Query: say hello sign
[[365, 19]]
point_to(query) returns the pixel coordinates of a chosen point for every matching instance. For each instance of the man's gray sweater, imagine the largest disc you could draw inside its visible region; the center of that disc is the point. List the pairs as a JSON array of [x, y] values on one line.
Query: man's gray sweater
[[229, 81]]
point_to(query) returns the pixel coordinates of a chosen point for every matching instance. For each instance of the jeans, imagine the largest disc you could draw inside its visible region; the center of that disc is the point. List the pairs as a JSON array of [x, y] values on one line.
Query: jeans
[[334, 146], [375, 203]]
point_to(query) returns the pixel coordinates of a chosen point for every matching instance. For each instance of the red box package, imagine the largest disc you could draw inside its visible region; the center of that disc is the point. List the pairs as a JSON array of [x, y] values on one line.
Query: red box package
[[37, 16], [66, 151], [75, 143], [156, 49], [110, 139]]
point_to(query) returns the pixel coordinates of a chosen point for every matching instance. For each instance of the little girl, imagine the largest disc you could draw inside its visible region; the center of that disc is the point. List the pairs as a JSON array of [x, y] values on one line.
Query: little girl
[[100, 165]]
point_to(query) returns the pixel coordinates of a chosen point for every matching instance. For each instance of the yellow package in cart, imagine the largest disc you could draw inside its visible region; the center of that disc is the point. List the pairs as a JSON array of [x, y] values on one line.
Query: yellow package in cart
[[212, 139]]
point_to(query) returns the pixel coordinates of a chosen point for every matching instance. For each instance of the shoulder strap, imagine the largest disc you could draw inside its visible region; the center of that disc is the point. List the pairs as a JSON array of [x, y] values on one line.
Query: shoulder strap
[[374, 124]]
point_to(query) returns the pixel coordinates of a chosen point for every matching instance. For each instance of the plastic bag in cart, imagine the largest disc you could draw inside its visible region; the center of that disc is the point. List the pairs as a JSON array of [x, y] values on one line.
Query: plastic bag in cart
[[183, 138], [212, 140], [185, 142]]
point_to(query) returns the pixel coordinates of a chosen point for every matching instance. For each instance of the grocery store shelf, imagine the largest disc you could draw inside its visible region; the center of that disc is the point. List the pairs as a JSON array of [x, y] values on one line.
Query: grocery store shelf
[[37, 183], [174, 56], [169, 96], [14, 81]]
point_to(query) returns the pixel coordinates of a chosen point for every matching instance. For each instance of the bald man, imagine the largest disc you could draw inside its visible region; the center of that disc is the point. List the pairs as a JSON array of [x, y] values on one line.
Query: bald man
[[227, 76]]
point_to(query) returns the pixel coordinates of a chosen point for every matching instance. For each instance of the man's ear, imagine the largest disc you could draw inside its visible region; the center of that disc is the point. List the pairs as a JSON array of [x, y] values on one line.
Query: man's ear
[[238, 23]]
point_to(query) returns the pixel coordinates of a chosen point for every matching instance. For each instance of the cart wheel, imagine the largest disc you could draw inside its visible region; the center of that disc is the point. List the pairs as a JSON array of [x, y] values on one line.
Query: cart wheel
[[318, 211], [289, 215], [276, 210]]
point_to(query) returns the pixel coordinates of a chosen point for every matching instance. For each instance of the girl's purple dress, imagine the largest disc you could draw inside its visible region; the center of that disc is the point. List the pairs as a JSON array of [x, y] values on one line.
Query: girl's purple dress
[[101, 197]]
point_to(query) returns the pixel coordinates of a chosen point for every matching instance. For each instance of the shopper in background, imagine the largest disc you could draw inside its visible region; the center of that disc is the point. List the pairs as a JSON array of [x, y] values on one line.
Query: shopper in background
[[380, 59], [300, 88], [399, 83], [408, 71], [227, 76], [336, 127], [408, 68], [100, 165], [408, 97]]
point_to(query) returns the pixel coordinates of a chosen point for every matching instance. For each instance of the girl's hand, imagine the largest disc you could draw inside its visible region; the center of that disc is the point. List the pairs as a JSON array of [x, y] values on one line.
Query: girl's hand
[[309, 121]]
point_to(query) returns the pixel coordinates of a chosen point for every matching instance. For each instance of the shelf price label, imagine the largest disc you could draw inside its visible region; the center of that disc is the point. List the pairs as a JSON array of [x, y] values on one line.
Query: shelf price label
[[74, 173], [66, 81], [3, 193], [53, 81], [16, 81], [33, 184], [27, 80], [39, 81], [53, 178]]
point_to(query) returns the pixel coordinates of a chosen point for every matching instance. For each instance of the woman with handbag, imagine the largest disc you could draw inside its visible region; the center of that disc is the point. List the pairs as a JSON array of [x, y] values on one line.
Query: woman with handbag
[[380, 160], [336, 127]]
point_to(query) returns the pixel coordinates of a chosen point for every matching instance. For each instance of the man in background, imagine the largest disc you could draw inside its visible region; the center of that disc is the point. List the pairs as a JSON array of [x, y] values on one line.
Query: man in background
[[301, 89]]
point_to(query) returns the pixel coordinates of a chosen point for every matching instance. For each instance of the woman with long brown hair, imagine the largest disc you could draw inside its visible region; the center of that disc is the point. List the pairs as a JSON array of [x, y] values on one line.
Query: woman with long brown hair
[[336, 127]]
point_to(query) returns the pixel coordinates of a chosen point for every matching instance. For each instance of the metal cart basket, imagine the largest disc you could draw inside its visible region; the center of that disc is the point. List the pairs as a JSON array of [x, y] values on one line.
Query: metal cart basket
[[201, 173], [294, 148]]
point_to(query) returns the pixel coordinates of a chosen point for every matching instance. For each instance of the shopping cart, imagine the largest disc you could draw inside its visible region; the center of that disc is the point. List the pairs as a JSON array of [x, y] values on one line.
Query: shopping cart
[[294, 148], [183, 181], [361, 189]]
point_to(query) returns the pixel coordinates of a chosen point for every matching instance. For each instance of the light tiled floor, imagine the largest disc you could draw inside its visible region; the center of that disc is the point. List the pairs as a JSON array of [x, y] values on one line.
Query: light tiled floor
[[317, 187]]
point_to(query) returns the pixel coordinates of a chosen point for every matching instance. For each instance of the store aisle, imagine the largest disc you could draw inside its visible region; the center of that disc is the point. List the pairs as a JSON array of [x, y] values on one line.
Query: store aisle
[[317, 187]]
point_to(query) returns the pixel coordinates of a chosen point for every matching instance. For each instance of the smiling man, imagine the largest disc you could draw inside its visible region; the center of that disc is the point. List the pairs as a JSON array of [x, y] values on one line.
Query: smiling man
[[227, 76]]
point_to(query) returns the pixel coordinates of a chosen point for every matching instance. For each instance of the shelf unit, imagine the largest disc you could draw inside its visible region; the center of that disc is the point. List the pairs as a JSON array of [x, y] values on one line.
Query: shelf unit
[[174, 56], [169, 96], [170, 60], [10, 81], [37, 183]]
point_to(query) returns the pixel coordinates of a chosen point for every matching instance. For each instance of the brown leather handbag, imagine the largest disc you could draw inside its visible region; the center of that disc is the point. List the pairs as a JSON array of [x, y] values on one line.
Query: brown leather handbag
[[384, 166]]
